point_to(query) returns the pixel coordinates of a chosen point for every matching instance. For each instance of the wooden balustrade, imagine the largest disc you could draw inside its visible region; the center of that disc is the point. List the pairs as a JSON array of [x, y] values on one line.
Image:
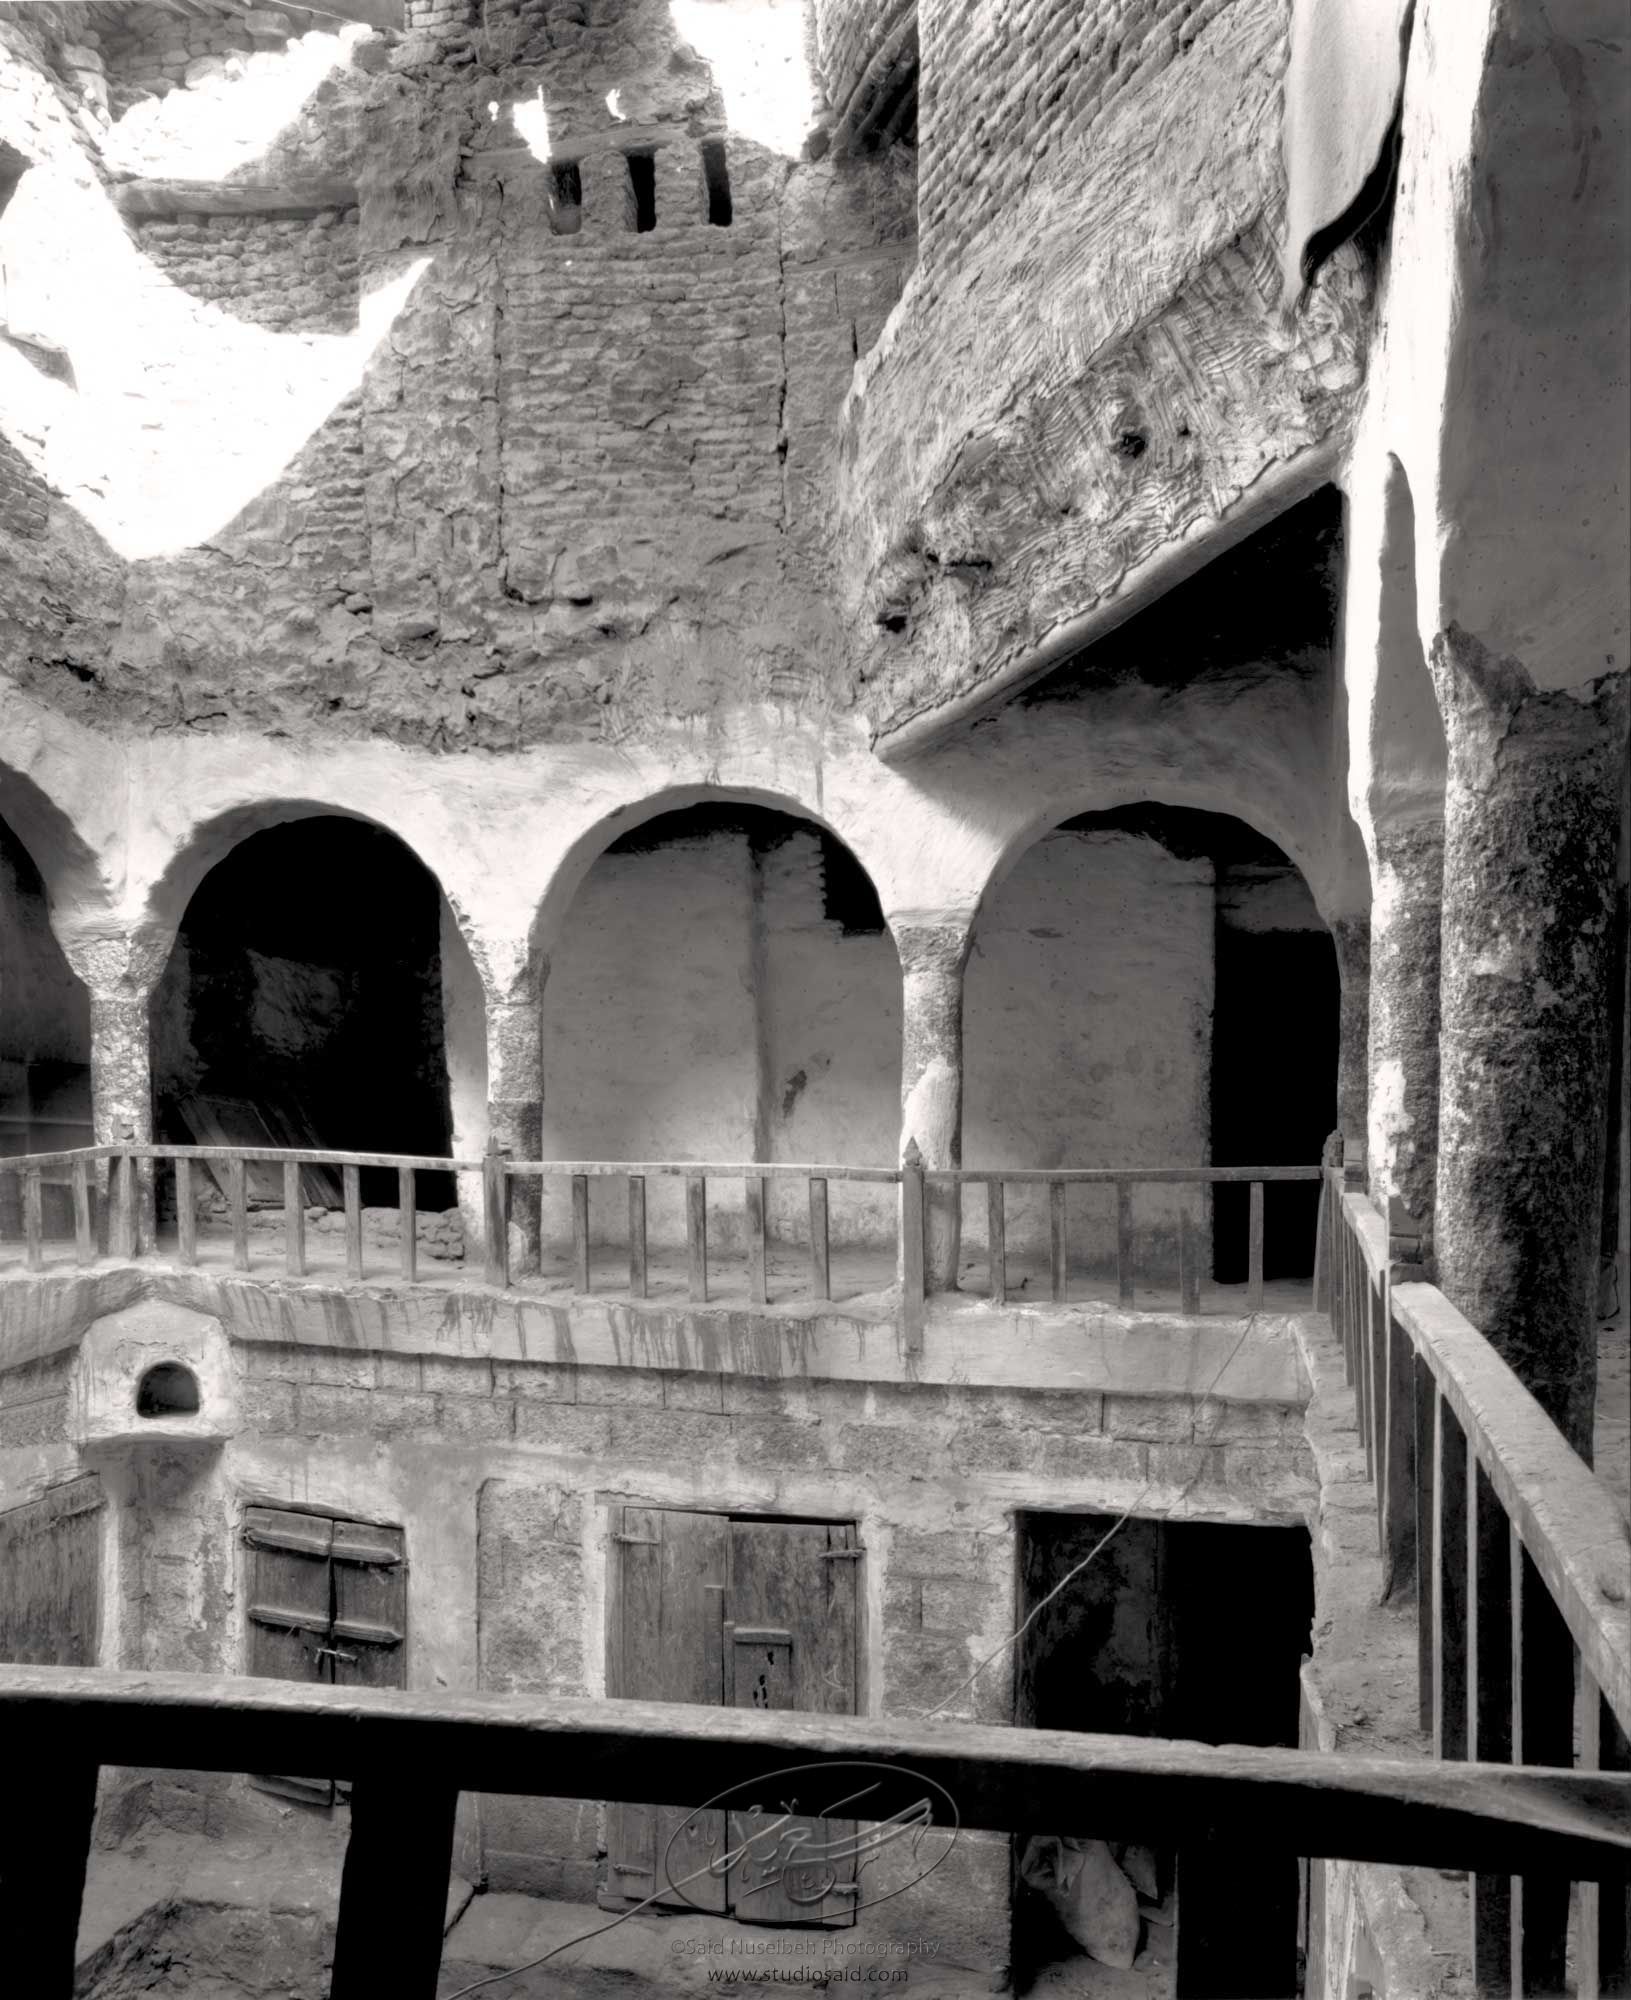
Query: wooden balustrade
[[122, 1168], [62, 1723], [1521, 1565]]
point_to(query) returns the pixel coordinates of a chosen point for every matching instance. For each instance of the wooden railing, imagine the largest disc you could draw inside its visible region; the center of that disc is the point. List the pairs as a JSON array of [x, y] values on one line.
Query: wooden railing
[[1520, 1562], [121, 1227], [409, 1755]]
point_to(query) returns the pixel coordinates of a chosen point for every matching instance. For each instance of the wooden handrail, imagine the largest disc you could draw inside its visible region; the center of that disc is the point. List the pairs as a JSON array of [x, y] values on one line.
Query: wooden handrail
[[673, 1753], [1106, 1176]]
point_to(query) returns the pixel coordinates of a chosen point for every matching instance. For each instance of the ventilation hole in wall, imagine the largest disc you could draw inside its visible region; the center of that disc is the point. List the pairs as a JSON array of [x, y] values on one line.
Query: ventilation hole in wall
[[565, 198], [167, 1390], [642, 201], [717, 178]]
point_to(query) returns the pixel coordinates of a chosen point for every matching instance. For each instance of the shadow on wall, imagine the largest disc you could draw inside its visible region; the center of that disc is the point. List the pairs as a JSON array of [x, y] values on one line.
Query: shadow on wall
[[302, 1004]]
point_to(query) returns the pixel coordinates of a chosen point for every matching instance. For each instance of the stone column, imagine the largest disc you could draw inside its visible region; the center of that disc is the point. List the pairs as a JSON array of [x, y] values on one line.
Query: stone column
[[932, 957], [1531, 819], [1351, 937], [119, 974], [1402, 1142], [515, 1103]]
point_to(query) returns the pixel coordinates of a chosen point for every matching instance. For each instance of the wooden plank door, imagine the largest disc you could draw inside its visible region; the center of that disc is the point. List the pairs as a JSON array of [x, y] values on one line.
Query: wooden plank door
[[790, 1643], [291, 1614], [666, 1634], [50, 1560], [369, 1630]]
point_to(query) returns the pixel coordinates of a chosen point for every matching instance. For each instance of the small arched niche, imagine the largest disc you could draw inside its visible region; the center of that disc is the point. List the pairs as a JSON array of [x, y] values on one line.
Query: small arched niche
[[167, 1389]]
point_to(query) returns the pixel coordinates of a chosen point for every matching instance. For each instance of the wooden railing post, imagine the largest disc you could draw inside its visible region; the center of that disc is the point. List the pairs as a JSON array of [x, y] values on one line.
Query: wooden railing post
[[820, 1240], [351, 1189], [1254, 1251], [638, 1280], [758, 1279], [238, 1203], [294, 1221], [33, 1220], [1058, 1244], [1449, 1583], [1542, 1733], [1489, 1708], [996, 1238], [1398, 1488], [393, 1888], [495, 1218], [696, 1237], [1124, 1244], [84, 1223], [911, 1248], [1189, 1273], [1424, 1398], [44, 1851], [186, 1214], [407, 1222], [580, 1232]]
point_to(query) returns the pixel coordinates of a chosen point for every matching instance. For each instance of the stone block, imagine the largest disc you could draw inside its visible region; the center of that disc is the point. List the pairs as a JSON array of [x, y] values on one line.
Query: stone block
[[271, 1408], [204, 69], [561, 1426], [888, 1450], [540, 1381], [336, 1369], [41, 1421], [948, 1552], [1093, 1458], [475, 1419], [954, 1607], [456, 1376], [530, 1589], [993, 1448], [770, 1441], [621, 1388], [694, 1392], [1151, 1419], [669, 1434]]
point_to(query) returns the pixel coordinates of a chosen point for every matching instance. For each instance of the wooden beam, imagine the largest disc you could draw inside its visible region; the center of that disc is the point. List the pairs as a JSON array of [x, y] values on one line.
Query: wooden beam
[[1411, 1812], [144, 201]]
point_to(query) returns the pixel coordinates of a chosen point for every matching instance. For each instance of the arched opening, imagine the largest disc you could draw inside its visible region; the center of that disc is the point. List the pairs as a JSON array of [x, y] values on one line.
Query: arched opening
[[167, 1390], [303, 1005], [45, 1040], [724, 988], [1150, 987]]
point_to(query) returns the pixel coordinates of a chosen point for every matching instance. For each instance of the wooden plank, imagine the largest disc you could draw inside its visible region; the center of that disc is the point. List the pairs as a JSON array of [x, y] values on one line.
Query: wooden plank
[[1138, 1176], [1124, 1242], [1189, 1269], [148, 198], [714, 1170], [1254, 1250], [84, 1227], [1320, 1296], [310, 1157], [33, 1221], [758, 1282], [186, 1214], [639, 1283], [393, 1887], [580, 1232], [1058, 1245], [238, 1207], [51, 1566], [820, 1239], [1489, 1709], [124, 1207], [352, 1182], [407, 1223], [1407, 1811], [696, 1237], [1610, 1901], [290, 1602], [1399, 1474], [635, 1590], [45, 1846], [495, 1219], [1569, 1522], [996, 1236], [1542, 1733], [294, 1219], [1449, 1584], [369, 1640], [911, 1250], [1376, 1392], [1425, 1399]]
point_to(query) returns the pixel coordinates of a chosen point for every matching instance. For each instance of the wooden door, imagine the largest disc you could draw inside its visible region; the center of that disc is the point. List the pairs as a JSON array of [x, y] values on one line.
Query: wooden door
[[735, 1613], [667, 1647], [51, 1563], [790, 1643]]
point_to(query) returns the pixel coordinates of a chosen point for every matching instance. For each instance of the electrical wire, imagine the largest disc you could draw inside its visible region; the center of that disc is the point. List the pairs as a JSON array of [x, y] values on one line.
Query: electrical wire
[[1013, 1639]]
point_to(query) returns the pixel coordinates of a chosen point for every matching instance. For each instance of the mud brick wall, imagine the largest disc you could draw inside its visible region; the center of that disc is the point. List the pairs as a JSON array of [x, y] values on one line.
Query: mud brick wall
[[1004, 86], [295, 274]]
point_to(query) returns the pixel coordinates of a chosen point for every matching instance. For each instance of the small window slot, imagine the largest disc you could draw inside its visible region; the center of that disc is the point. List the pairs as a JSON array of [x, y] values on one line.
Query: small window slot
[[565, 198], [717, 179], [642, 201]]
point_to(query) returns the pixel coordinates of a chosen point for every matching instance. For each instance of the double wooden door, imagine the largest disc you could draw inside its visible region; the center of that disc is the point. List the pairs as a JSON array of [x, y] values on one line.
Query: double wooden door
[[736, 1613]]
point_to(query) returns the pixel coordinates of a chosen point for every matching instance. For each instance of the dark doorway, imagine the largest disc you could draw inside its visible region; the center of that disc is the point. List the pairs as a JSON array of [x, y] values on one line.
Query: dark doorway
[[302, 1004], [1177, 1629]]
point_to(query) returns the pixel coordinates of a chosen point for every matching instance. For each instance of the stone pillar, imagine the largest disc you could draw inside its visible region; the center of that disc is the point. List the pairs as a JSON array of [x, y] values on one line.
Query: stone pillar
[[1402, 1141], [1531, 820], [1351, 937], [119, 971], [932, 957], [515, 1103]]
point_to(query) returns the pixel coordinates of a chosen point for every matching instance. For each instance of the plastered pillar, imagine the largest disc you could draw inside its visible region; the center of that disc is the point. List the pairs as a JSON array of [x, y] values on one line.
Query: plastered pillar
[[1351, 937], [932, 957], [515, 1103], [1402, 1139], [119, 974], [1531, 819]]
